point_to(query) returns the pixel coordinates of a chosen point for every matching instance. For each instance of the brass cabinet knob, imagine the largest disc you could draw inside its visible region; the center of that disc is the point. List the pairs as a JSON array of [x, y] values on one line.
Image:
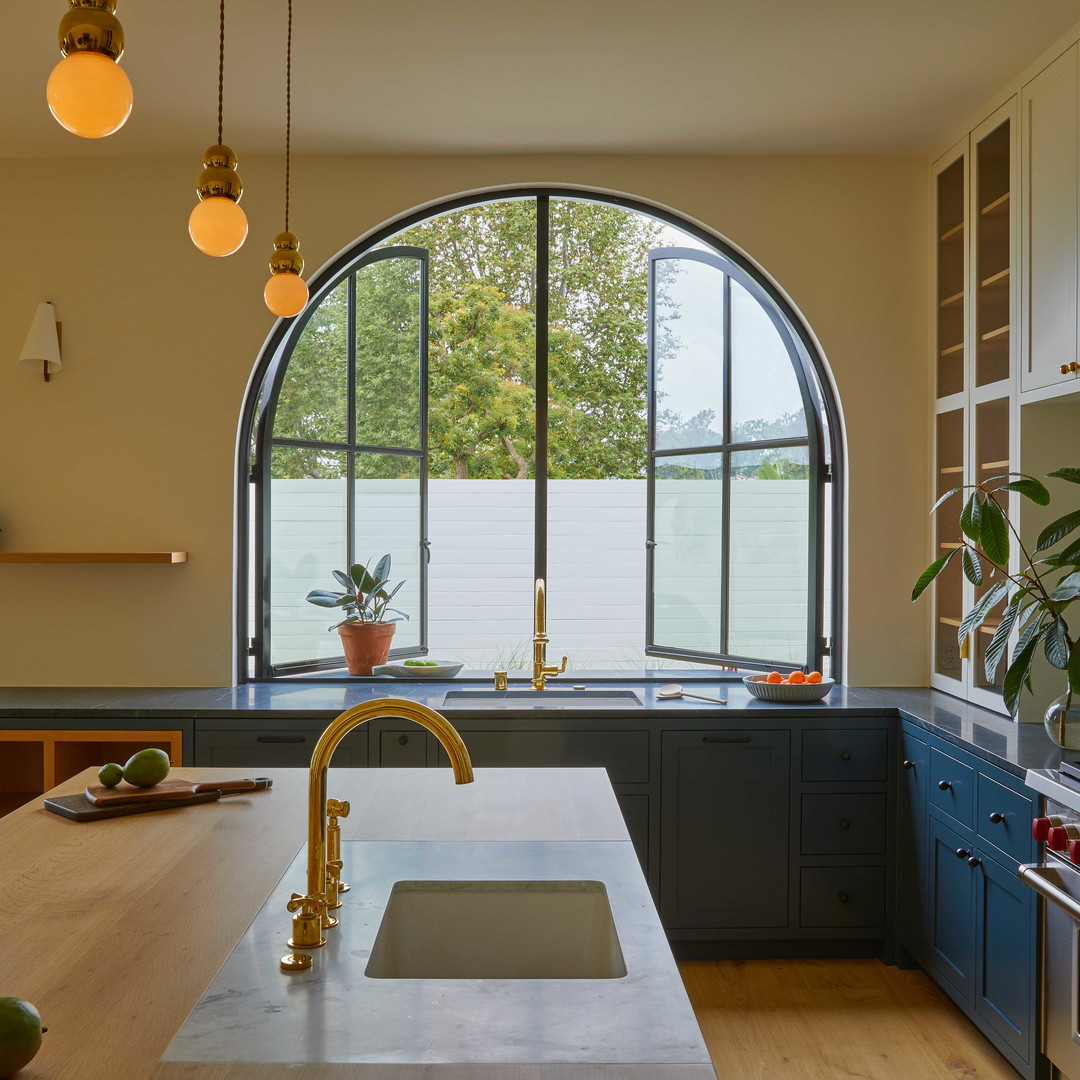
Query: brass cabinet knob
[[1074, 366], [1064, 369]]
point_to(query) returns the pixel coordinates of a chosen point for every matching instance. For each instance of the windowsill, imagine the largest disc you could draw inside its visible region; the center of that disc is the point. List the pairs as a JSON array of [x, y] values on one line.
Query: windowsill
[[524, 677]]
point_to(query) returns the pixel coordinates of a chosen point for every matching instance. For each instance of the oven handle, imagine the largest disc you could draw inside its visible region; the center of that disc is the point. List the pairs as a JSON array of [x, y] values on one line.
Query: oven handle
[[1033, 876]]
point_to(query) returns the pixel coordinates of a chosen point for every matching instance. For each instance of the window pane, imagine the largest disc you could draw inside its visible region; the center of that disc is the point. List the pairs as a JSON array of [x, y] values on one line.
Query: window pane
[[688, 557], [689, 348], [388, 346], [307, 542], [387, 520], [769, 559], [314, 392], [766, 402]]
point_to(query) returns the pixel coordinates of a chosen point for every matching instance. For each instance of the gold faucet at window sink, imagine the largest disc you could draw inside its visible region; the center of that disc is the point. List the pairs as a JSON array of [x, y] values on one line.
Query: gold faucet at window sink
[[541, 669], [311, 911]]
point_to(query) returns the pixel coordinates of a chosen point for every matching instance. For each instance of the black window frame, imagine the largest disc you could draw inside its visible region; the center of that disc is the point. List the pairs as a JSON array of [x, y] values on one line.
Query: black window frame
[[816, 454], [256, 422]]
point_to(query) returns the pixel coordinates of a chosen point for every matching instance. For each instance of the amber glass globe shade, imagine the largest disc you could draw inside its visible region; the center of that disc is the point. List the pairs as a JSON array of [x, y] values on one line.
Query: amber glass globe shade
[[218, 226], [286, 295], [89, 94]]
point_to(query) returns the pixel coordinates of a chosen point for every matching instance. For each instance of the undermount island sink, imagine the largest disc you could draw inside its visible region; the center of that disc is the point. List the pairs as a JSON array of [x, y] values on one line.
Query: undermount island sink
[[497, 930], [539, 699]]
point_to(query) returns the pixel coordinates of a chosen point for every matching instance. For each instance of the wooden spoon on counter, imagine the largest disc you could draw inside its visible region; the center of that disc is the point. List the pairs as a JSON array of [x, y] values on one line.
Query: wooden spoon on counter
[[675, 690]]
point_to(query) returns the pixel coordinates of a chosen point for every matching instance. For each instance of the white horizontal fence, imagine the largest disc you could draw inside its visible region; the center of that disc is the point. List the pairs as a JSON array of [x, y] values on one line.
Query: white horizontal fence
[[481, 569]]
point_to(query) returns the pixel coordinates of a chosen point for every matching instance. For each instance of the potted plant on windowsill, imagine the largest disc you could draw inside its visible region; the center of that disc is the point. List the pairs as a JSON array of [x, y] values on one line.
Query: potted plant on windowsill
[[365, 631], [1035, 606]]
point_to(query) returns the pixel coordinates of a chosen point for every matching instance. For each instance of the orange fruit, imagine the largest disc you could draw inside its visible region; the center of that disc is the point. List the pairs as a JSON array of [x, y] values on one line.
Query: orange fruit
[[796, 677], [774, 676], [814, 676]]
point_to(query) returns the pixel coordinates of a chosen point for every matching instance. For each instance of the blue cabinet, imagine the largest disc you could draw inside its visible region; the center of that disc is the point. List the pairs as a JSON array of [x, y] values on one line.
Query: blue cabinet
[[963, 912]]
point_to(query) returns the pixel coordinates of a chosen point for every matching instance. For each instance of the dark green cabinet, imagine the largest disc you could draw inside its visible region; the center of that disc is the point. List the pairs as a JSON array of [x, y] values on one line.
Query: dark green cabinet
[[724, 830]]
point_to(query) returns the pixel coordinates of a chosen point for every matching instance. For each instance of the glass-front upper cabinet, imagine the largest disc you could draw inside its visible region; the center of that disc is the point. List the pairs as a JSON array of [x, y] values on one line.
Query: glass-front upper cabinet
[[951, 208], [992, 213], [974, 305]]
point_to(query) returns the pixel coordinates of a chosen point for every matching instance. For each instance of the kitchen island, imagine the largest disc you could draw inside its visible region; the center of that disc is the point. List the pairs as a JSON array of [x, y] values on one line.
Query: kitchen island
[[116, 929]]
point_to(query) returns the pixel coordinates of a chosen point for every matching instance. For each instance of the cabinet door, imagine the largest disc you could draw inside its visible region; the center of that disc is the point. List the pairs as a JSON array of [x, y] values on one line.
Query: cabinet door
[[912, 855], [951, 931], [1005, 923], [724, 861], [1049, 121]]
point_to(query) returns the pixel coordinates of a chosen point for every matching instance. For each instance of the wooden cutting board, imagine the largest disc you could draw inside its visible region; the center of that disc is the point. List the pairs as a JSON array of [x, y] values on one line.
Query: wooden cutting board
[[77, 808], [170, 791]]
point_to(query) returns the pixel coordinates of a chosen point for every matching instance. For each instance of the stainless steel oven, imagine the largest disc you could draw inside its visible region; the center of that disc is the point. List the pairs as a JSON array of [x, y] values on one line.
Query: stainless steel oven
[[1057, 880]]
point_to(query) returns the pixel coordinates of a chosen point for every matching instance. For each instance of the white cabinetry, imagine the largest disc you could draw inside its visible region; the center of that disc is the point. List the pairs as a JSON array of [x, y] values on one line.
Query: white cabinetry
[[1050, 196]]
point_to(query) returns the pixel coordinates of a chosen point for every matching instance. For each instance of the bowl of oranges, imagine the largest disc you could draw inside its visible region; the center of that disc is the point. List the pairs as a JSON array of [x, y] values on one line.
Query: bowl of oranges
[[797, 686]]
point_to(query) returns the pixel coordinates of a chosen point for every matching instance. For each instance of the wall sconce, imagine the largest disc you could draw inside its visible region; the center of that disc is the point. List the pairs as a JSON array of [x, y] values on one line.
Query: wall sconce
[[41, 351]]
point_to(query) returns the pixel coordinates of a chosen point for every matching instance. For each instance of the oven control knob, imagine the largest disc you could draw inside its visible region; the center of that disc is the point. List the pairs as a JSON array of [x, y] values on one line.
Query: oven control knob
[[1074, 852], [1041, 826], [1059, 836]]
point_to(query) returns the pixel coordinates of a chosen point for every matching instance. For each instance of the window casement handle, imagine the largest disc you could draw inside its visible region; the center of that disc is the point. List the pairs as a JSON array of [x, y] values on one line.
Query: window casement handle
[[426, 545], [650, 543]]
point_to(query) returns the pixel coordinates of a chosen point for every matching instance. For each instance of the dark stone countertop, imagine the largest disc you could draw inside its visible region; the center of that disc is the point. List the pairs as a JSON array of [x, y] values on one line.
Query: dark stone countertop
[[996, 739]]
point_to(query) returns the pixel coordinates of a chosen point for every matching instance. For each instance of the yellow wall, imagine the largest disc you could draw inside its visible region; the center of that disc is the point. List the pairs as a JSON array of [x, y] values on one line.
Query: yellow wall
[[131, 446]]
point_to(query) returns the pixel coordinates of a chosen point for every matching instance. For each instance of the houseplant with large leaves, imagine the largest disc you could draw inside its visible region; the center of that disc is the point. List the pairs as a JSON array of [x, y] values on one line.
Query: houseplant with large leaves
[[1033, 602], [367, 630]]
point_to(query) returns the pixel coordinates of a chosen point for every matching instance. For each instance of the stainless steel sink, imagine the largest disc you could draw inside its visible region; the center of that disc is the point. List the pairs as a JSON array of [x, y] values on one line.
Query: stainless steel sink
[[497, 930], [539, 699]]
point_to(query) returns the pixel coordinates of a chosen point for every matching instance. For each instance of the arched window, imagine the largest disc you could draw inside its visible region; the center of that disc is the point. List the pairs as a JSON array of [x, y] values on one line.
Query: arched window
[[545, 384]]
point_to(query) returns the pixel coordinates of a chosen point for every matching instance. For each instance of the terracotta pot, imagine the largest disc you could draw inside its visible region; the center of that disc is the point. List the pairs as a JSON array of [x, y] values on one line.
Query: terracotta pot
[[365, 645]]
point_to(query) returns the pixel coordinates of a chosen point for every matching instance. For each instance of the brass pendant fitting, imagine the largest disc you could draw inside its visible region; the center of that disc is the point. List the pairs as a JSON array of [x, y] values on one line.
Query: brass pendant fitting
[[286, 259], [219, 178], [91, 26]]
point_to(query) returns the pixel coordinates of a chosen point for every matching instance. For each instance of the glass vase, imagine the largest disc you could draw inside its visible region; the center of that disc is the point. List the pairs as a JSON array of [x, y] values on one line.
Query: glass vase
[[1062, 722]]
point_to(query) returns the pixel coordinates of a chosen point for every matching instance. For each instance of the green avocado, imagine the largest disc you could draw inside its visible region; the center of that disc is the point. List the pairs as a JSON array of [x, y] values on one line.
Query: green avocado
[[147, 768], [20, 1035], [110, 775]]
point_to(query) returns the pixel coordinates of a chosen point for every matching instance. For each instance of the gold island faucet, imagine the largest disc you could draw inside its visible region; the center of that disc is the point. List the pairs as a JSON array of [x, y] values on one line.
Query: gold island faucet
[[541, 669], [311, 911]]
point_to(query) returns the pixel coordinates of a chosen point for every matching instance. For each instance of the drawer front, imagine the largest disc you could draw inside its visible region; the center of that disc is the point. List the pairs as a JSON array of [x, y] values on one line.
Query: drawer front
[[952, 787], [843, 824], [403, 749], [281, 749], [859, 756], [842, 896], [625, 754], [1003, 818]]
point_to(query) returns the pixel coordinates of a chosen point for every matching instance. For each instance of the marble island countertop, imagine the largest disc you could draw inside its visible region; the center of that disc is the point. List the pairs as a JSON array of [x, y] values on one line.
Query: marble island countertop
[[116, 929]]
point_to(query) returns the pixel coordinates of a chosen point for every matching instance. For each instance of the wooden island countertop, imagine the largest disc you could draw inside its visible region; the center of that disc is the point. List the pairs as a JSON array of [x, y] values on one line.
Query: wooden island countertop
[[116, 928]]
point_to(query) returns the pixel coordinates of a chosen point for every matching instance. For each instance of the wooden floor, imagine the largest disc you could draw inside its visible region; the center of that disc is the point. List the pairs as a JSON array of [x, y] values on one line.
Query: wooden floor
[[834, 1020]]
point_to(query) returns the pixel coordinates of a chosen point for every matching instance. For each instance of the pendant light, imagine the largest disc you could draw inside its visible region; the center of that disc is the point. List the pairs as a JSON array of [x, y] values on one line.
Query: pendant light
[[286, 293], [88, 92], [217, 225]]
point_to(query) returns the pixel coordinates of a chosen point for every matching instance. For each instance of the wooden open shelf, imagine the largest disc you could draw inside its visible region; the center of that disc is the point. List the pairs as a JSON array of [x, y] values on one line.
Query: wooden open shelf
[[954, 299], [956, 230], [953, 349], [32, 762], [994, 465], [948, 620], [998, 332], [951, 469], [93, 556], [999, 205], [1000, 278]]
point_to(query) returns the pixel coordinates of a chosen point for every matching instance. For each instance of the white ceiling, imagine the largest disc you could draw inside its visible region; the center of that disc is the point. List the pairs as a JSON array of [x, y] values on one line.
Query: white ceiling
[[479, 76]]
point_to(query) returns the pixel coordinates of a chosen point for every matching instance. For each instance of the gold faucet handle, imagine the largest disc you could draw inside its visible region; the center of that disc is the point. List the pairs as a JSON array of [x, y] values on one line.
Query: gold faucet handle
[[335, 809], [308, 906], [553, 670]]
